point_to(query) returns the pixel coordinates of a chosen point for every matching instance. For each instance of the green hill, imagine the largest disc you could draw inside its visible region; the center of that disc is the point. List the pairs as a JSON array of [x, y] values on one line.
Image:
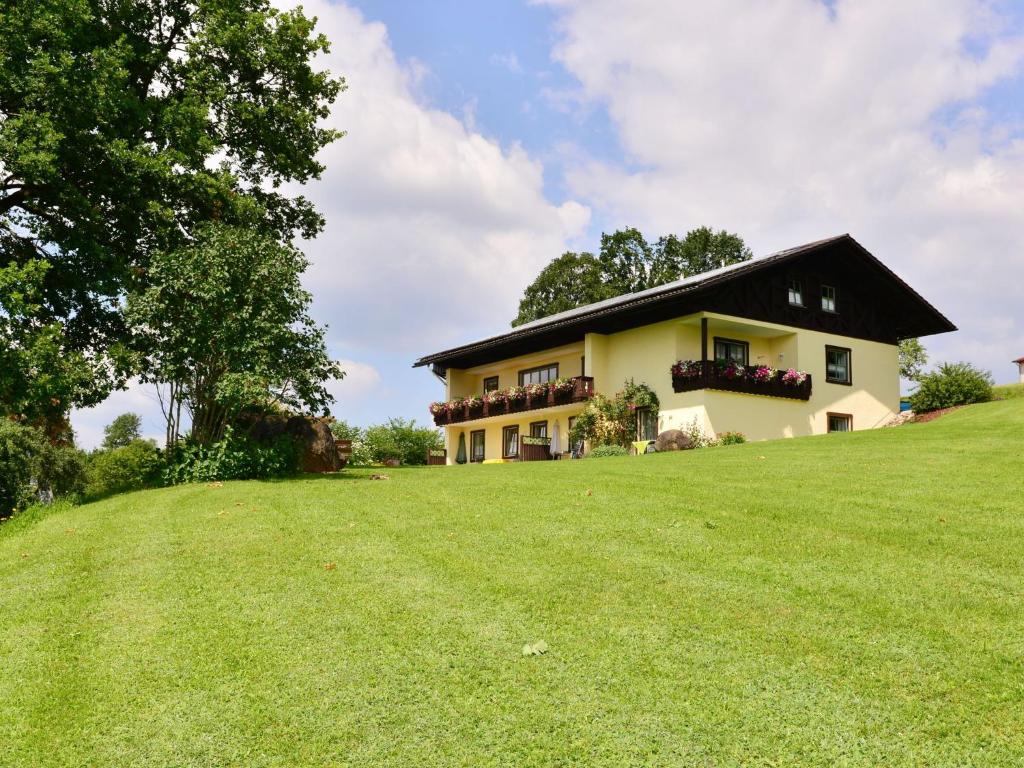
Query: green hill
[[845, 600]]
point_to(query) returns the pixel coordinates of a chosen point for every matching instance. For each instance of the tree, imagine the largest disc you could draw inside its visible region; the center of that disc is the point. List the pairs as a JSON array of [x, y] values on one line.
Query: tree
[[700, 251], [626, 263], [571, 280], [913, 358], [122, 431], [123, 127], [41, 375], [626, 260], [225, 326]]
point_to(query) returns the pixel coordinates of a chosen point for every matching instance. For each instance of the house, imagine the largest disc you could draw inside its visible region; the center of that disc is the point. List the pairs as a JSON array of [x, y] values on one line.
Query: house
[[1020, 367], [802, 342]]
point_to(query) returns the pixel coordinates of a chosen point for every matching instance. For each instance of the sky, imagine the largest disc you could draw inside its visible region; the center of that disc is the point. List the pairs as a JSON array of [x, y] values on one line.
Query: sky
[[485, 139]]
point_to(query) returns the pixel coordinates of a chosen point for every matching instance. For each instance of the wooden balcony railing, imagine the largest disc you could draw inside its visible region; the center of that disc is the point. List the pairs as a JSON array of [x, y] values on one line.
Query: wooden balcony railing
[[711, 376], [582, 390]]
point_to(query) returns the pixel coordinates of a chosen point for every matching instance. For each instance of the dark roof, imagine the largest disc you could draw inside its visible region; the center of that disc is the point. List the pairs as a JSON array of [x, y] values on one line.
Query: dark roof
[[636, 309], [1019, 360]]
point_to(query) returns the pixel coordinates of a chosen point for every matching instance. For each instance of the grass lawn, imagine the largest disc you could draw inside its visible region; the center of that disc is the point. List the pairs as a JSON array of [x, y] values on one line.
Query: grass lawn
[[1008, 391], [845, 600]]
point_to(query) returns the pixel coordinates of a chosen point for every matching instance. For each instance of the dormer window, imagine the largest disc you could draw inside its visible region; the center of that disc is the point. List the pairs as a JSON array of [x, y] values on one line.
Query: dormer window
[[828, 298], [796, 293]]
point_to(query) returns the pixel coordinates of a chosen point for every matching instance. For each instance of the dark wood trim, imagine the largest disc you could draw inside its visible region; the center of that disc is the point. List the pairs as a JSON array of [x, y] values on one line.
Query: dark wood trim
[[876, 305], [539, 423], [504, 441], [536, 368], [703, 338], [487, 380], [830, 414], [849, 365], [482, 432], [724, 340]]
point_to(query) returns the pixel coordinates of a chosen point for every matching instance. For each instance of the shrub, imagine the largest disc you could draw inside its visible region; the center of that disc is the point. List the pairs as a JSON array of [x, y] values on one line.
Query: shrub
[[132, 467], [19, 451], [612, 421], [695, 432], [360, 452], [60, 472], [730, 438], [604, 451], [402, 440], [952, 384], [235, 457]]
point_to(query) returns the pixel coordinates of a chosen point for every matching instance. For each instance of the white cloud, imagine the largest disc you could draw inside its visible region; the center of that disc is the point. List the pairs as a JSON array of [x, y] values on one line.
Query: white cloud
[[508, 61], [788, 121], [433, 229], [361, 379], [137, 398]]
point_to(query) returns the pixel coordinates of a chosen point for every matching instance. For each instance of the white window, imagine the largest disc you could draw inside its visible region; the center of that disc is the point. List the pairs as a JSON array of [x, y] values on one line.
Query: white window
[[541, 375], [837, 365], [796, 293], [828, 298]]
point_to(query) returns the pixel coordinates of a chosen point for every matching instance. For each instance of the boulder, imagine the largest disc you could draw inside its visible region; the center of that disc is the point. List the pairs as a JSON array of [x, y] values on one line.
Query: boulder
[[673, 440], [317, 450]]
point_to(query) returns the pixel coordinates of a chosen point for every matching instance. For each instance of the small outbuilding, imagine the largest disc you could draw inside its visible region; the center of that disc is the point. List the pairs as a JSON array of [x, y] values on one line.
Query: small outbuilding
[[1020, 366]]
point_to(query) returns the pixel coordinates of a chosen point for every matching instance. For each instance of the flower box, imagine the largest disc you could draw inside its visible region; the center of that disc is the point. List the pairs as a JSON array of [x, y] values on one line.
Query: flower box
[[732, 377]]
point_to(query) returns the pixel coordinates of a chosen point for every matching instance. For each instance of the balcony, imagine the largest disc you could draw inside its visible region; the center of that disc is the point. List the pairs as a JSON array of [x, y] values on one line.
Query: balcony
[[581, 391], [708, 374]]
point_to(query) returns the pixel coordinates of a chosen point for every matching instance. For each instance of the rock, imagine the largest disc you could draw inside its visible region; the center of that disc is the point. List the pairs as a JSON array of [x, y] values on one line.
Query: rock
[[673, 440], [317, 450], [904, 417]]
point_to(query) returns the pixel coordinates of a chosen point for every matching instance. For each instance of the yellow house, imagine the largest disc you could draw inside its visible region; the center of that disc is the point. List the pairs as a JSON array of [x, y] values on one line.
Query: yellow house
[[801, 342]]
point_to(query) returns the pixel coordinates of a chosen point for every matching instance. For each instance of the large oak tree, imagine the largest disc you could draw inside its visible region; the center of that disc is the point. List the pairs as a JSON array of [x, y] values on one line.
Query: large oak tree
[[124, 126]]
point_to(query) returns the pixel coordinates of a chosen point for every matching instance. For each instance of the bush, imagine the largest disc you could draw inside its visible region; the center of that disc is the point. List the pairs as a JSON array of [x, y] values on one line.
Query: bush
[[360, 451], [952, 384], [612, 420], [402, 440], [19, 452], [730, 438], [604, 451], [60, 472], [235, 457], [132, 467], [695, 432]]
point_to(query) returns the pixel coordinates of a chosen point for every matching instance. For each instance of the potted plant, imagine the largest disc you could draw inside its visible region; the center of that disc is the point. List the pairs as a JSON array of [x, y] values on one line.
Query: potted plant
[[561, 391], [793, 378], [516, 398], [474, 407], [762, 374], [494, 402], [537, 395]]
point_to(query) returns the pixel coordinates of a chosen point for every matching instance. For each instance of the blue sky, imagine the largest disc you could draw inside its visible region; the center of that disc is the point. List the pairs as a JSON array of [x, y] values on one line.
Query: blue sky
[[486, 138]]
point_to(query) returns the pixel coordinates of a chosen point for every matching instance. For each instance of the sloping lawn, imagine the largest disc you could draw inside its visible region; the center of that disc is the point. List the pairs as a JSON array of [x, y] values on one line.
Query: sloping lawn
[[850, 600], [1008, 391]]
